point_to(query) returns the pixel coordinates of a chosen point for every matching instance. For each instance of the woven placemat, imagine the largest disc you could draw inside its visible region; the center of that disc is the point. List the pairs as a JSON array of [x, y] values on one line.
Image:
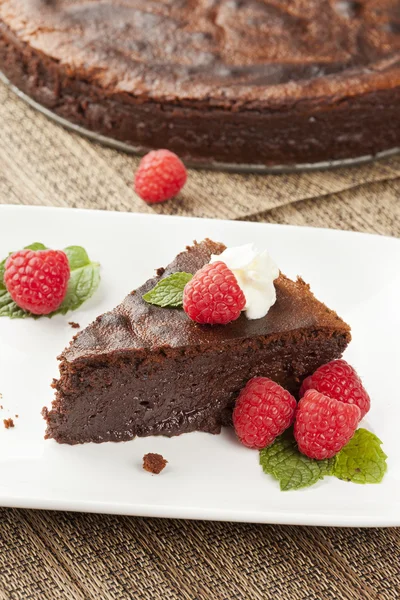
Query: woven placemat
[[66, 555], [77, 556]]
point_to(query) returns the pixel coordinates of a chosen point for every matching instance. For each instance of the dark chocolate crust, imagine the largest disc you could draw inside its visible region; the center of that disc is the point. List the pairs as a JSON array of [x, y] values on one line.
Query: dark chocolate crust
[[255, 82], [144, 370]]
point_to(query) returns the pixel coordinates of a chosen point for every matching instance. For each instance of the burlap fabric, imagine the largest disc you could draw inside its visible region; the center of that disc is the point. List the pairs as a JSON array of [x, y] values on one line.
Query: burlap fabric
[[77, 556]]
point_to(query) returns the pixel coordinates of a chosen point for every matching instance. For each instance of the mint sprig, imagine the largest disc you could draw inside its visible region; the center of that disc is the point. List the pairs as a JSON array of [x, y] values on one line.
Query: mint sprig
[[169, 291], [83, 282], [292, 469], [36, 246], [362, 460]]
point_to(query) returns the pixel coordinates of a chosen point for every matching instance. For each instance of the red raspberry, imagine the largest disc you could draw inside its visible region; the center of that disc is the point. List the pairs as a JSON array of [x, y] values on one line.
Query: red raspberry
[[263, 411], [324, 425], [160, 175], [37, 280], [213, 296], [339, 380]]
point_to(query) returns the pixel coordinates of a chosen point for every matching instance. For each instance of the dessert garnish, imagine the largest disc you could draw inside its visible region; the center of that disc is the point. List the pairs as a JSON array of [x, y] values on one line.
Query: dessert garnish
[[239, 279], [324, 440], [255, 272], [213, 296], [168, 292], [160, 176], [154, 463], [37, 281], [339, 380], [263, 411], [324, 425], [283, 460], [362, 460]]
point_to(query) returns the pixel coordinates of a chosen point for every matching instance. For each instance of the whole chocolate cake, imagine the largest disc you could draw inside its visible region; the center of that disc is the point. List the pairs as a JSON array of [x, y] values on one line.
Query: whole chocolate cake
[[144, 370], [268, 82]]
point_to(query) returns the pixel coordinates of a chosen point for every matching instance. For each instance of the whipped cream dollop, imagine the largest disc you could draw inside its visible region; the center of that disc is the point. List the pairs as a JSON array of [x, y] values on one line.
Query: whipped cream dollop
[[255, 272]]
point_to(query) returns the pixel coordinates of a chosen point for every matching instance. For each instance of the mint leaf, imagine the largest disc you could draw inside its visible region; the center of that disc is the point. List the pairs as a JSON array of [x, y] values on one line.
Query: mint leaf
[[2, 269], [84, 280], [292, 469], [36, 246], [362, 460], [77, 257], [168, 291], [8, 308]]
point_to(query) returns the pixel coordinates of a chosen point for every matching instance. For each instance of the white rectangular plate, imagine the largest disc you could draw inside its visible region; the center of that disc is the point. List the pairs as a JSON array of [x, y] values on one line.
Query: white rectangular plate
[[207, 477]]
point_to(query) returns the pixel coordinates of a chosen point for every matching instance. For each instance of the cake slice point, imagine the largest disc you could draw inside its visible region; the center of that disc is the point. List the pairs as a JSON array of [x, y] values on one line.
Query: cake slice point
[[144, 370]]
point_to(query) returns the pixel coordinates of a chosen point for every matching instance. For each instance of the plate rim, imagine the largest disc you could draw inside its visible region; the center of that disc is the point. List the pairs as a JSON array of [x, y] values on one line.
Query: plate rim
[[192, 514]]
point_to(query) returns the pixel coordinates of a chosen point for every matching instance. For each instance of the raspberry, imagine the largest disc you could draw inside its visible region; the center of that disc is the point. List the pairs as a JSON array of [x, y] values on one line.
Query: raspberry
[[37, 280], [324, 425], [160, 175], [213, 296], [339, 380], [263, 411]]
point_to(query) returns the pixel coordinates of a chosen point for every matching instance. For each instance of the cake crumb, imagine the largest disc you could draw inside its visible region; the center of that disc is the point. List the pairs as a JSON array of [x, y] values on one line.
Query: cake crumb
[[74, 325], [8, 423], [16, 416], [154, 463]]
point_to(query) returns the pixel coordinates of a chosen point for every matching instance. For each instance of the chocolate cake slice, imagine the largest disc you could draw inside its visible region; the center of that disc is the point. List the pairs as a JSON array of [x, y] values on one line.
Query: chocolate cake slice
[[144, 370]]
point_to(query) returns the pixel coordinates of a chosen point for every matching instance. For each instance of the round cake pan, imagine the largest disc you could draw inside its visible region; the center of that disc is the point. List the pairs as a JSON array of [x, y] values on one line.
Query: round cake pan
[[217, 166]]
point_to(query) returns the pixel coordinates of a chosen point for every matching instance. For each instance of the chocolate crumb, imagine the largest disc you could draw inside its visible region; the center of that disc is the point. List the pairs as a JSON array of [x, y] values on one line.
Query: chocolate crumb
[[74, 325], [1, 407], [154, 463], [16, 416], [8, 423]]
